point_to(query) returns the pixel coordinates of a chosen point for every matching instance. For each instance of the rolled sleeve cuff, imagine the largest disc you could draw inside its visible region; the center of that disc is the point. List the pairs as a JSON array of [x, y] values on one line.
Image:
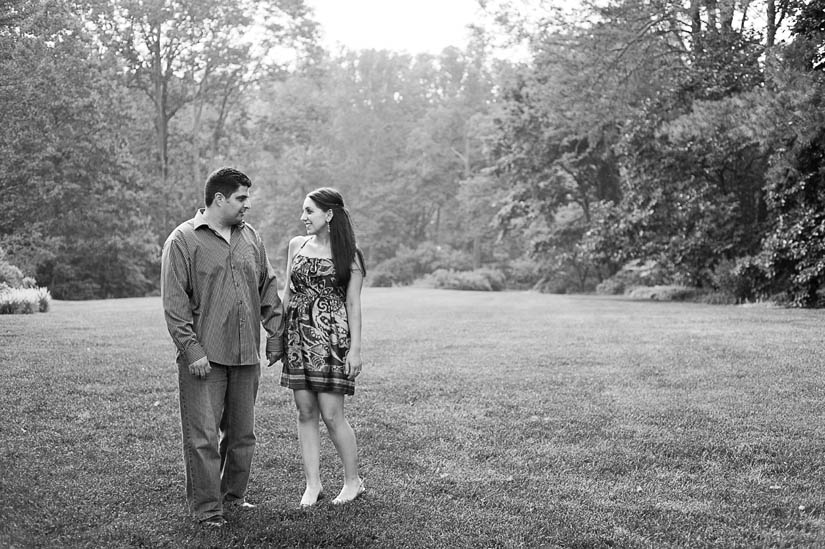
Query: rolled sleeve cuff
[[193, 354], [274, 345]]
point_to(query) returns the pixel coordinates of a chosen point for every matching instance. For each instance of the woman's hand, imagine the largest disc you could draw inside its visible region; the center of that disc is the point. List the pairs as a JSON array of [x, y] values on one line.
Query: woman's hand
[[353, 366]]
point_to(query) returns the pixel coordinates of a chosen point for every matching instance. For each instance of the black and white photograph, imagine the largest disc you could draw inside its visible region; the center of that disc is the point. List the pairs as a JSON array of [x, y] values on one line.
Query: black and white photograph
[[412, 274]]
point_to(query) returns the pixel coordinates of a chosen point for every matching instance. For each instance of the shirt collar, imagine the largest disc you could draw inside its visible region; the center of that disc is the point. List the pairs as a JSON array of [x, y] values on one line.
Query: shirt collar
[[200, 220]]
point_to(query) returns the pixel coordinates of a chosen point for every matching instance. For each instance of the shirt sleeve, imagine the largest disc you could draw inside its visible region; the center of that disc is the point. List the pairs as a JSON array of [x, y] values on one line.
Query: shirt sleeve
[[175, 289], [272, 312]]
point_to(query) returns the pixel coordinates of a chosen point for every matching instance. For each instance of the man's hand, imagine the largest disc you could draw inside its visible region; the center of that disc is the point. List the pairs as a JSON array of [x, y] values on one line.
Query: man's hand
[[273, 357], [200, 367]]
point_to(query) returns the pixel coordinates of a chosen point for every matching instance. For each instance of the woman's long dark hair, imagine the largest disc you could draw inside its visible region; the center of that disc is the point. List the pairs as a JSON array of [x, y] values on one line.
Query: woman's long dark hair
[[341, 234]]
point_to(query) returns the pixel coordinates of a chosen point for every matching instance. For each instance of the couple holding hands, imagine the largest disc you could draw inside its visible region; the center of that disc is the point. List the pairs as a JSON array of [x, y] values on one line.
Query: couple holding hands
[[218, 287]]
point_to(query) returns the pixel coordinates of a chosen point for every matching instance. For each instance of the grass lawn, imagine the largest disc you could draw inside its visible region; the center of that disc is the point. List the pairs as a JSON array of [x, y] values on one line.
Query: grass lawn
[[483, 420]]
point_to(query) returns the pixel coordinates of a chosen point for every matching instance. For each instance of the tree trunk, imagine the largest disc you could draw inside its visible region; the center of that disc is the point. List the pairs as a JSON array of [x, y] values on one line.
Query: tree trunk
[[160, 97], [163, 137], [223, 112], [196, 129], [726, 9], [695, 23], [196, 155]]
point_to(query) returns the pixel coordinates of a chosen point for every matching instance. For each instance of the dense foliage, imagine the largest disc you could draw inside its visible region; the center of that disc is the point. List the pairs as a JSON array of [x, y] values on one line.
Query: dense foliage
[[683, 136], [705, 137], [19, 293]]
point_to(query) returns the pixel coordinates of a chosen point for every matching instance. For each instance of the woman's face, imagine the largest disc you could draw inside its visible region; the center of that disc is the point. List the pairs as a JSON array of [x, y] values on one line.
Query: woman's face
[[313, 217]]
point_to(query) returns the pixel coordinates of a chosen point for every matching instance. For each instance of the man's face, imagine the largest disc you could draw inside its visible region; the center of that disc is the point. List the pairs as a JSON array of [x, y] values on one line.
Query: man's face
[[233, 208]]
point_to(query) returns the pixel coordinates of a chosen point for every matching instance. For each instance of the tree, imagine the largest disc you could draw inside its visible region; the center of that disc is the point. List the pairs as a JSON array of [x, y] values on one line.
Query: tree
[[564, 118], [290, 154], [694, 188], [792, 113], [807, 51], [398, 135], [634, 117], [449, 148], [197, 55], [67, 181]]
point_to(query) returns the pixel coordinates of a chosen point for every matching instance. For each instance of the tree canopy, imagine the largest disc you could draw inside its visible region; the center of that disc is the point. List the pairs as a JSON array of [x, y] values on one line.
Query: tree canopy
[[685, 135]]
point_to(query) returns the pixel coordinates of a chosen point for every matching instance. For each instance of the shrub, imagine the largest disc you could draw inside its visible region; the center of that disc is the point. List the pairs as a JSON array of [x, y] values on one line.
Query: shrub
[[24, 300], [396, 270], [523, 273], [76, 290], [559, 284], [19, 294], [745, 279], [44, 299], [11, 275], [496, 278], [484, 280], [632, 274], [410, 264], [380, 279], [664, 293], [717, 298], [610, 286]]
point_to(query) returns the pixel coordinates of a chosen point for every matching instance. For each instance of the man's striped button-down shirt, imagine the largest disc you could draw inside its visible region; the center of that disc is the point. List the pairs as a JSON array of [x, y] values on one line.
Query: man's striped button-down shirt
[[216, 294]]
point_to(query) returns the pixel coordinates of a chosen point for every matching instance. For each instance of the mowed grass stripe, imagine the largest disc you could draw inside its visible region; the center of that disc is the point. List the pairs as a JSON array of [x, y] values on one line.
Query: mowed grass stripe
[[483, 420]]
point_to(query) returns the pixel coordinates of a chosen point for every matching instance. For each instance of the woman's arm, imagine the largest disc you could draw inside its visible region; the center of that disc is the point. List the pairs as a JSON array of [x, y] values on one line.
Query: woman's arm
[[292, 249], [353, 304]]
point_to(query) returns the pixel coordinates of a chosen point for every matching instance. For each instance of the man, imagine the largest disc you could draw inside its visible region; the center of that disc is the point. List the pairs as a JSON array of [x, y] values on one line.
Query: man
[[218, 287]]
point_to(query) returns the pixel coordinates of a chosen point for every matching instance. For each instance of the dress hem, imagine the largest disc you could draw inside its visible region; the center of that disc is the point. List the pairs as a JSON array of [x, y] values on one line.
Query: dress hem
[[315, 389]]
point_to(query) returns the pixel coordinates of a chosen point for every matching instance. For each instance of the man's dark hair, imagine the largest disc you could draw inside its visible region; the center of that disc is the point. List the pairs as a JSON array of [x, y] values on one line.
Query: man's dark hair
[[225, 181]]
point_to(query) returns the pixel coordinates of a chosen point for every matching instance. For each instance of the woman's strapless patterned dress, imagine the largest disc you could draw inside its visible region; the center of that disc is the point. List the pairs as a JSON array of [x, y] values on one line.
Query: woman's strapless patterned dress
[[317, 329]]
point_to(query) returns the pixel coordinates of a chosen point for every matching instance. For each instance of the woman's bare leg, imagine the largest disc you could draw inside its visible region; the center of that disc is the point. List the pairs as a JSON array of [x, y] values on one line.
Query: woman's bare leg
[[309, 437], [343, 437]]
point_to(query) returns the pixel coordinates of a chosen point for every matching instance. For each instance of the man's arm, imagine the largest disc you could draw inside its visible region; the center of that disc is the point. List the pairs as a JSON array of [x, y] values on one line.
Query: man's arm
[[175, 289], [272, 312]]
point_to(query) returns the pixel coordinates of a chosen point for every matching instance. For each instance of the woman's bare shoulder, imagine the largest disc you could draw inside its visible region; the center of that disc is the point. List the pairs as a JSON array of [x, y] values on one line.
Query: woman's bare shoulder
[[298, 240]]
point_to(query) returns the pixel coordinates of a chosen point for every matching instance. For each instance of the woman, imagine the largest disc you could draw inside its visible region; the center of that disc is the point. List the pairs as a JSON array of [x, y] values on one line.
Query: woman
[[323, 326]]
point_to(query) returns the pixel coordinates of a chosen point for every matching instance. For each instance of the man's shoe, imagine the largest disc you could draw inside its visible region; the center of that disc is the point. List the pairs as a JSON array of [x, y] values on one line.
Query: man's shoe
[[239, 504], [214, 522]]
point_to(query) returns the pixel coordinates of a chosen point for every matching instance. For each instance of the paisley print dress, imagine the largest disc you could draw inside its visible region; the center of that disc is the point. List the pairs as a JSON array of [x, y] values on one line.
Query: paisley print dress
[[317, 330]]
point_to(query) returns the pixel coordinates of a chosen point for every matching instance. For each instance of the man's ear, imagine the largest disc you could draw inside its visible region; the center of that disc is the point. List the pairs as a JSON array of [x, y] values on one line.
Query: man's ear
[[219, 198]]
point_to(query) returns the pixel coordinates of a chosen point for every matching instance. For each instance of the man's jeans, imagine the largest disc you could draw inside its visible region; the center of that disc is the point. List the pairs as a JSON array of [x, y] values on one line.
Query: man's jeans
[[217, 422]]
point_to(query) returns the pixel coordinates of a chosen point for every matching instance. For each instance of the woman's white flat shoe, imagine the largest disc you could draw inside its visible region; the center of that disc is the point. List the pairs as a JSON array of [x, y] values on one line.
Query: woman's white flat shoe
[[340, 501], [306, 503]]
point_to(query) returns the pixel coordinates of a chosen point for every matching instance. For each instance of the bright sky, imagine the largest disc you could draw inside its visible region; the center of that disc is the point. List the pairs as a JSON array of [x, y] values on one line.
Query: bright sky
[[414, 26]]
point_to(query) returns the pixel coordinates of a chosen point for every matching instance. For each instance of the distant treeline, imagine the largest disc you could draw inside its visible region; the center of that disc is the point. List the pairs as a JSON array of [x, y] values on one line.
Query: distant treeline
[[641, 143]]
